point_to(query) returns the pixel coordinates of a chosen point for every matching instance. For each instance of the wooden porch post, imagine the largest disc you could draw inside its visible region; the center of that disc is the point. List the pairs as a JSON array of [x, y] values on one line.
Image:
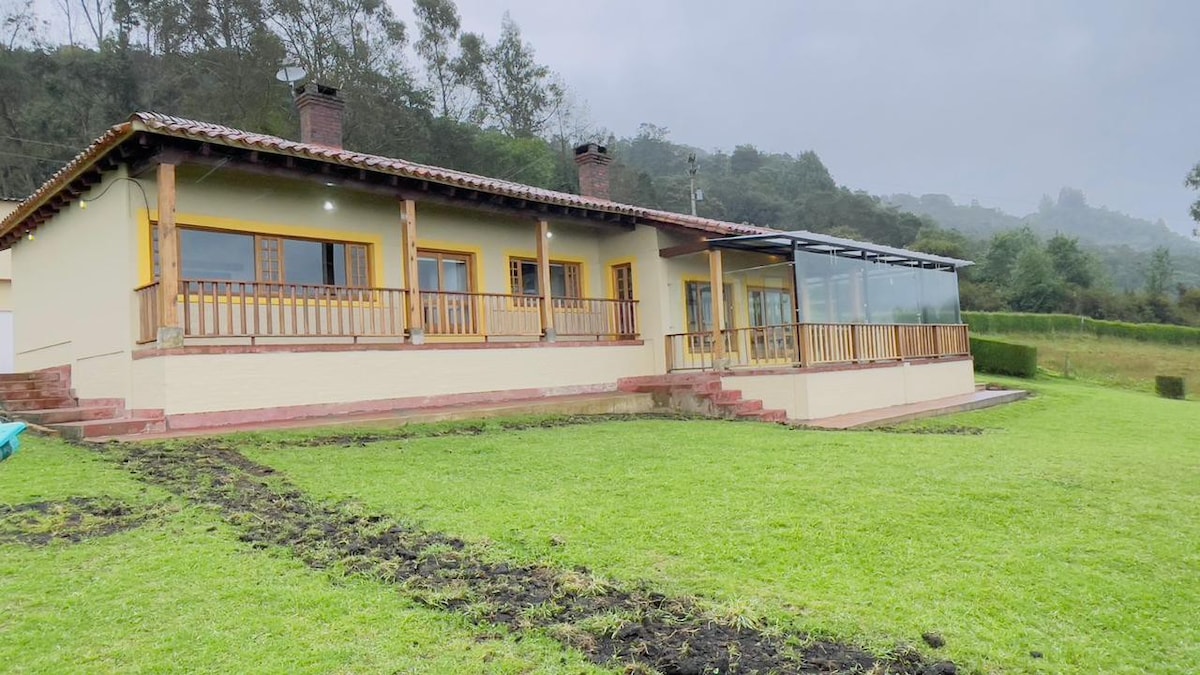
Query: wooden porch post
[[169, 333], [412, 283], [543, 265], [717, 293]]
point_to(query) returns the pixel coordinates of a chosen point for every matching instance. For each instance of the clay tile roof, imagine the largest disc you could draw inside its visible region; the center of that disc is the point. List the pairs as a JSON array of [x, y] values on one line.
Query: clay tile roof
[[179, 127]]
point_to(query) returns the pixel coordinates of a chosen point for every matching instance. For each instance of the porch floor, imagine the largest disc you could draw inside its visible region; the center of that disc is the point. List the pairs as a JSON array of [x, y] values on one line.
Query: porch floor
[[578, 404], [982, 398]]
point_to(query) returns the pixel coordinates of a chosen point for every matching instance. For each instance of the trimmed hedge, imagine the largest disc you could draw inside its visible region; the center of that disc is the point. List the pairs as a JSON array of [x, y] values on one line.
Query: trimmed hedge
[[1169, 386], [1004, 358], [1013, 322]]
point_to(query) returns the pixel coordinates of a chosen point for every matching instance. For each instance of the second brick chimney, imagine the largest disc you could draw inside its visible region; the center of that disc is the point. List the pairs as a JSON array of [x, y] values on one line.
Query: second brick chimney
[[593, 160], [320, 114]]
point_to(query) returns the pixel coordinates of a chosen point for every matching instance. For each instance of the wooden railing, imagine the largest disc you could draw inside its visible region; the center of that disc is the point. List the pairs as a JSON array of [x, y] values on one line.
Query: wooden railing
[[220, 309], [475, 314], [595, 317], [244, 309], [147, 300], [813, 344]]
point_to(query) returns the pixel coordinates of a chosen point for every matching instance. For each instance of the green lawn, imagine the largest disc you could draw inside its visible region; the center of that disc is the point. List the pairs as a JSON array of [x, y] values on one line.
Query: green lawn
[[1069, 527], [180, 594], [1113, 361]]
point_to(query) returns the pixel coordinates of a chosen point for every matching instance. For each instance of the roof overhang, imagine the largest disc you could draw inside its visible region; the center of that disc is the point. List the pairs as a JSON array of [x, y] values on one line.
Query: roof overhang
[[145, 136], [787, 243]]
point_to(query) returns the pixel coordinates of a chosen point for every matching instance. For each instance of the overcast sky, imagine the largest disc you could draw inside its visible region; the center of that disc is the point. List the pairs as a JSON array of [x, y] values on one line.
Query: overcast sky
[[1000, 101]]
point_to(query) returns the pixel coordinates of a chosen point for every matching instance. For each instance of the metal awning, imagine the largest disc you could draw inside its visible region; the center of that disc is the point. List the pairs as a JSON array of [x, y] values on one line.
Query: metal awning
[[786, 243]]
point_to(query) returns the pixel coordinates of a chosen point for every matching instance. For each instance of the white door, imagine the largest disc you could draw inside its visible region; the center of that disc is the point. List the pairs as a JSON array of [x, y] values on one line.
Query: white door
[[6, 342]]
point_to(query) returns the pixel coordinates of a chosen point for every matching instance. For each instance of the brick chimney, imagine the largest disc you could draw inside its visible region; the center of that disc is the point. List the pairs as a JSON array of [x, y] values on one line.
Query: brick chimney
[[593, 160], [320, 114]]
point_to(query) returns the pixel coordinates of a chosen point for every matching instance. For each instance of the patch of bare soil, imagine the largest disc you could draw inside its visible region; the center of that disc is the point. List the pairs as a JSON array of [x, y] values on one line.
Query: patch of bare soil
[[636, 628], [70, 520], [362, 437], [948, 430]]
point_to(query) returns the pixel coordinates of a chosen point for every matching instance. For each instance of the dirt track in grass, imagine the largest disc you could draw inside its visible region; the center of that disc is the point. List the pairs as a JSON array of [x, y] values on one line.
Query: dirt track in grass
[[624, 627], [69, 520]]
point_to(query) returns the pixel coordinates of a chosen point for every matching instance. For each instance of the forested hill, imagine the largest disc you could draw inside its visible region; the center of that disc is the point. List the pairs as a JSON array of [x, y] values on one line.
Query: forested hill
[[1070, 215]]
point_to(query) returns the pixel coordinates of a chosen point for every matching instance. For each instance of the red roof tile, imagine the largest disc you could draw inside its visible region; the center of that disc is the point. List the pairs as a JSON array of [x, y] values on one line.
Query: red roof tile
[[178, 127]]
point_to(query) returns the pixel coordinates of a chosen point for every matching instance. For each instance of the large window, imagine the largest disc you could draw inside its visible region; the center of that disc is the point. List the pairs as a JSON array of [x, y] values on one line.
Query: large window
[[699, 315], [835, 289], [444, 271], [212, 255], [564, 278], [770, 306], [451, 310]]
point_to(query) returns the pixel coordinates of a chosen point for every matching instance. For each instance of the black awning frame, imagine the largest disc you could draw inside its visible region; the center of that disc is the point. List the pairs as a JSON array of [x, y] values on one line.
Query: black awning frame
[[790, 243]]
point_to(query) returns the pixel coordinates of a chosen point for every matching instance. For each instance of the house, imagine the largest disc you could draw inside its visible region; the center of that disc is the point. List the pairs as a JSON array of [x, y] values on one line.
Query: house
[[6, 316], [182, 274]]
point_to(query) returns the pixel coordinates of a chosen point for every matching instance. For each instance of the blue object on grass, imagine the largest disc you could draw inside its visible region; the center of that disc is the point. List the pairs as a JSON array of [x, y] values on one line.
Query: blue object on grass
[[10, 439]]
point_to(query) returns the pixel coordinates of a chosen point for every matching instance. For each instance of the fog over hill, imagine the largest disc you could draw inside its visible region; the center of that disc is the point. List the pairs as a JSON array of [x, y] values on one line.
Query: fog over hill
[[1068, 214]]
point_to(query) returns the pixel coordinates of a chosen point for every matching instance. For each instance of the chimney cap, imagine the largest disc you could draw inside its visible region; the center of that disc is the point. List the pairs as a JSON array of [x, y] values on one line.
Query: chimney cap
[[316, 88], [592, 153]]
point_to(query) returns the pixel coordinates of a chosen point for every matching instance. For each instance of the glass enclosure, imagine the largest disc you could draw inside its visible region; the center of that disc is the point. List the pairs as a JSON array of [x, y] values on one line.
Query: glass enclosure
[[834, 289]]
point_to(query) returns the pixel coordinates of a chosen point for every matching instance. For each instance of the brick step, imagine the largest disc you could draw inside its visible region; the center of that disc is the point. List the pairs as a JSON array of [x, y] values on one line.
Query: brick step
[[114, 427], [764, 415], [726, 396], [18, 385], [675, 379], [37, 392], [40, 403], [746, 406], [37, 375], [77, 414]]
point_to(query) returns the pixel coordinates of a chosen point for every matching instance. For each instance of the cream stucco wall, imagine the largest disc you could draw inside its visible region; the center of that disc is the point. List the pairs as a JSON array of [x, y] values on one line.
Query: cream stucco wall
[[227, 200], [6, 207], [224, 382], [742, 270], [814, 395], [72, 298], [77, 304]]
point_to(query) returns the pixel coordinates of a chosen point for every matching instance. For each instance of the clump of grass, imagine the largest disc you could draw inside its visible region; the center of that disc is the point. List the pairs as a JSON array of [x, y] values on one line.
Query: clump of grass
[[581, 584], [608, 624]]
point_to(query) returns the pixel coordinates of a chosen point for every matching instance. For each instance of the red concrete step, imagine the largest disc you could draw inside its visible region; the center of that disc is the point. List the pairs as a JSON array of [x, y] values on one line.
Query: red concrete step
[[18, 385], [40, 403], [37, 392], [706, 386], [118, 427], [746, 406], [766, 416], [37, 375], [726, 396], [77, 414]]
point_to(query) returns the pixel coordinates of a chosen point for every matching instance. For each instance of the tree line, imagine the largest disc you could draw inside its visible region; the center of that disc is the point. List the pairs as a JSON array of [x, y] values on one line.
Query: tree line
[[437, 94]]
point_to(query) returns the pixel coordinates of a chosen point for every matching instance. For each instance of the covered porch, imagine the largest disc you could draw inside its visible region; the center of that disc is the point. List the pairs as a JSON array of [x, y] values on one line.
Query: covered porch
[[460, 275], [814, 300]]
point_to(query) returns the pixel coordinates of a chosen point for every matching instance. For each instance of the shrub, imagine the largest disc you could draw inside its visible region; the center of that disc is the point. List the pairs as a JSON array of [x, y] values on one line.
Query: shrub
[[1004, 358], [1169, 386], [1016, 322]]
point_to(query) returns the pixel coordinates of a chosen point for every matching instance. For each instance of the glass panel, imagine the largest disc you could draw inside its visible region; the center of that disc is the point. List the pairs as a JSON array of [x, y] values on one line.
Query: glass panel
[[427, 274], [558, 281], [529, 278], [304, 262], [216, 255], [699, 307], [454, 276], [335, 264], [939, 296], [846, 290], [314, 262]]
